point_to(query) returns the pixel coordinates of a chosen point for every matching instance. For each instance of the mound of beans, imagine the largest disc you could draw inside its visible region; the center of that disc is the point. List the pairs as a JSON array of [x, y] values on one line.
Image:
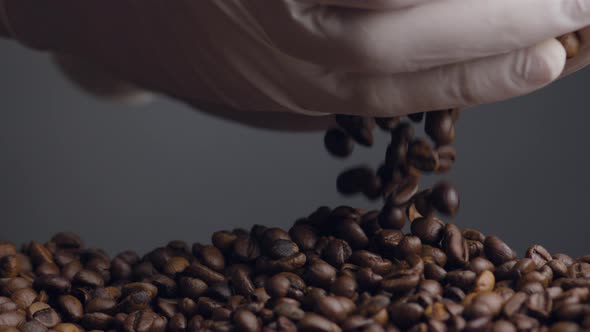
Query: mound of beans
[[336, 270]]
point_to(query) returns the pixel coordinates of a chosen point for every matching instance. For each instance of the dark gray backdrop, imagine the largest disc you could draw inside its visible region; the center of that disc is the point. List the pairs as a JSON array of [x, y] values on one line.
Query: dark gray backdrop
[[135, 177]]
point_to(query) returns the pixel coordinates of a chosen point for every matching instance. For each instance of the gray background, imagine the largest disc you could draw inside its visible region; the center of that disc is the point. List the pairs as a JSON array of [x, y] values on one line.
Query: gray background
[[135, 177]]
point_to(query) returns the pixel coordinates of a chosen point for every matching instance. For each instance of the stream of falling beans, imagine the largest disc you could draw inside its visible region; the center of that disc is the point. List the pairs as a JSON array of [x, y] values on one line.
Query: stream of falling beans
[[335, 270]]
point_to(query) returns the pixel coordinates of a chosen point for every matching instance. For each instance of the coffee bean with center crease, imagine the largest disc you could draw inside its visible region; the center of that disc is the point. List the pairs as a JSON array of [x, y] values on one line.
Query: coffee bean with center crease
[[440, 127], [337, 252], [338, 143], [429, 230], [455, 245], [144, 321], [43, 314], [422, 156], [497, 250]]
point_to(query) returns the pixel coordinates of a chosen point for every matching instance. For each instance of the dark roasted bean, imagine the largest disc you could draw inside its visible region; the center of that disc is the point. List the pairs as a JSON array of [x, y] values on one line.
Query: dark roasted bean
[[338, 143], [497, 251]]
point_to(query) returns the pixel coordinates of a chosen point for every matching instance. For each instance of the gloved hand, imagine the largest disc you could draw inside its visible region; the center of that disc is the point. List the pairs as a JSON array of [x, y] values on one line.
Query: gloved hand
[[363, 57]]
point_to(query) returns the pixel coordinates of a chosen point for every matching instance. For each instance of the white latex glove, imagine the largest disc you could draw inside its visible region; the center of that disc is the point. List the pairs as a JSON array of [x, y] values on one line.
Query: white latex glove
[[363, 57]]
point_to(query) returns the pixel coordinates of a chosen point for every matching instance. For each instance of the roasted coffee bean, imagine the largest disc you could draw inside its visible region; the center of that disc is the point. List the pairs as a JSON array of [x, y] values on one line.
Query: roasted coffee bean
[[43, 314], [463, 279], [408, 246], [334, 307], [223, 240], [444, 198], [429, 230], [480, 264], [539, 255], [350, 231], [338, 143], [455, 245], [446, 158], [70, 307], [359, 128], [405, 315], [246, 249], [354, 180], [503, 326], [283, 248], [192, 287], [88, 278], [144, 321], [320, 273], [392, 217], [315, 323], [440, 127], [497, 250], [23, 298], [33, 326], [422, 156], [365, 258], [337, 252], [345, 286]]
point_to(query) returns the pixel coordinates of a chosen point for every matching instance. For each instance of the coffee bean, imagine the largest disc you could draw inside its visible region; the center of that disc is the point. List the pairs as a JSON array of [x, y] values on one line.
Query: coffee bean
[[405, 315], [337, 252], [12, 318], [335, 308], [354, 180], [192, 287], [463, 279], [320, 273], [350, 231], [316, 323], [408, 246], [33, 326], [446, 158], [364, 258], [429, 230], [444, 198], [43, 314], [480, 264], [88, 278], [485, 282], [345, 286], [212, 258], [440, 127], [455, 245], [304, 235], [392, 217], [539, 255], [70, 307], [497, 251], [422, 156], [338, 143], [359, 128], [223, 240], [503, 326], [144, 321], [283, 248]]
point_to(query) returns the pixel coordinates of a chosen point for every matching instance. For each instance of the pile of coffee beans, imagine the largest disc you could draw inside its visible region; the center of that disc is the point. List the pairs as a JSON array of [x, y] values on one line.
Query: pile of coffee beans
[[336, 270]]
